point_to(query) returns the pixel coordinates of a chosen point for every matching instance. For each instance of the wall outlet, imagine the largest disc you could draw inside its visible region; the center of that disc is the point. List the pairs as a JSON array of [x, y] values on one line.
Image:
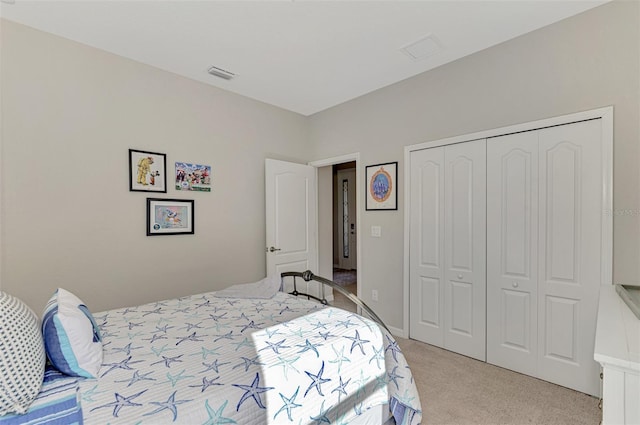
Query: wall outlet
[[374, 295]]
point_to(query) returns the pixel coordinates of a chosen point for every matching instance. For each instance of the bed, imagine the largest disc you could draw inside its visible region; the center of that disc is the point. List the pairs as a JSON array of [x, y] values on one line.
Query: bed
[[245, 355]]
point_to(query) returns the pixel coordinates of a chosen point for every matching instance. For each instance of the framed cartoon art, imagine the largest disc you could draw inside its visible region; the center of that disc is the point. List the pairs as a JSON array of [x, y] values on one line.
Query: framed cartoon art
[[169, 217], [147, 171], [381, 188]]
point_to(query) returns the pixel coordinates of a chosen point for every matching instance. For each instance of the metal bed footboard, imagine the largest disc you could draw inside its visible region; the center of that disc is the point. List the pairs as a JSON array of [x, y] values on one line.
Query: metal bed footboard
[[309, 276]]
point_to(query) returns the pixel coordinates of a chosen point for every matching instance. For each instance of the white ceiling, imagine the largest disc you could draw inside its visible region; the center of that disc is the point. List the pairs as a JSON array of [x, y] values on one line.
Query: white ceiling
[[304, 56]]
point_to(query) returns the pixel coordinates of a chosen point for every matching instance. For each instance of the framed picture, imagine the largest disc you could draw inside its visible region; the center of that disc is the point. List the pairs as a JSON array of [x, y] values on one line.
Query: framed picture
[[382, 193], [147, 171], [193, 177], [169, 217]]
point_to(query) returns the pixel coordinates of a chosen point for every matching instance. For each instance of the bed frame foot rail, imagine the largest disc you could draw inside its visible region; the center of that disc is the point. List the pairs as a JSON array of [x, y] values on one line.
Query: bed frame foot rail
[[308, 276]]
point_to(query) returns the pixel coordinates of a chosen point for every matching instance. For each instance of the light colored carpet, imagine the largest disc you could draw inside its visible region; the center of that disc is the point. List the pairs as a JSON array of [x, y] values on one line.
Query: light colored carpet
[[455, 389]]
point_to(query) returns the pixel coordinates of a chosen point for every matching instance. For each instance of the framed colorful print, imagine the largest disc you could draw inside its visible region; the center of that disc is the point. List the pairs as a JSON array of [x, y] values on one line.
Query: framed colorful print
[[193, 177], [147, 171], [382, 193], [169, 217]]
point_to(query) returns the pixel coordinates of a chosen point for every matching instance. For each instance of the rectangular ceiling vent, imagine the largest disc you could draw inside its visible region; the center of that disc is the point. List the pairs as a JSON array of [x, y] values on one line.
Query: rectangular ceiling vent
[[222, 73], [423, 48]]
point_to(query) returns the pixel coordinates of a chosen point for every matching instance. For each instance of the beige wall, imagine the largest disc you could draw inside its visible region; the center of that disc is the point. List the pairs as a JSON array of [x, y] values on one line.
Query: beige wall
[[585, 62], [69, 115], [71, 112]]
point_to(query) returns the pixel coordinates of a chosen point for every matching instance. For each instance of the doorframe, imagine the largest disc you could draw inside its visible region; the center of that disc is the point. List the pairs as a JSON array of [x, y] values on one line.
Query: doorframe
[[359, 176], [606, 237]]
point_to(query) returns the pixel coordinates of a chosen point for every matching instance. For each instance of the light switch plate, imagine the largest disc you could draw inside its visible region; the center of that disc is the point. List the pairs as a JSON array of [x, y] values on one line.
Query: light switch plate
[[376, 231]]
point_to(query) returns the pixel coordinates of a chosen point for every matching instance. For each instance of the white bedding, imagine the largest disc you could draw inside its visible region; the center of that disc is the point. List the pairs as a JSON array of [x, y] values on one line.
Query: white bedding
[[209, 360]]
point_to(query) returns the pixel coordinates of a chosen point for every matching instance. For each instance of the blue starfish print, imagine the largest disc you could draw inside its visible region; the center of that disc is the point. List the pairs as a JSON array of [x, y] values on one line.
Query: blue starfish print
[[299, 333], [205, 352], [393, 346], [124, 364], [206, 383], [322, 416], [226, 336], [88, 394], [271, 332], [168, 360], [156, 311], [289, 404], [341, 389], [243, 316], [126, 349], [156, 337], [284, 309], [377, 356], [192, 326], [345, 323], [204, 304], [251, 325], [170, 404], [248, 362], [215, 416], [340, 358], [357, 408], [137, 377], [158, 351], [219, 325], [381, 381], [316, 380], [159, 304], [193, 337], [269, 317], [175, 379], [309, 346], [275, 346], [130, 310], [362, 383], [232, 303], [133, 325], [252, 391], [286, 364], [320, 325], [357, 341], [213, 366], [326, 335], [245, 343], [164, 328], [134, 335], [218, 317], [120, 403], [393, 376]]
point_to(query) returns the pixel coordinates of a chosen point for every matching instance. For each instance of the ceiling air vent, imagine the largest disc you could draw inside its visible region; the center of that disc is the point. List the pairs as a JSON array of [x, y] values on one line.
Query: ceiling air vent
[[423, 48], [219, 72]]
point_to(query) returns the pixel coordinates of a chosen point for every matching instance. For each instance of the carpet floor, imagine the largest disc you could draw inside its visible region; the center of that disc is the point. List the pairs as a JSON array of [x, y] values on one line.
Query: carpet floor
[[456, 389]]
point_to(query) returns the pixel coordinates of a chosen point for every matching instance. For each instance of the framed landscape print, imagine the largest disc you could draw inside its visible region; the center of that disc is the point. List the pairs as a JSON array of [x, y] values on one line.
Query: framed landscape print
[[169, 217], [381, 188], [147, 171]]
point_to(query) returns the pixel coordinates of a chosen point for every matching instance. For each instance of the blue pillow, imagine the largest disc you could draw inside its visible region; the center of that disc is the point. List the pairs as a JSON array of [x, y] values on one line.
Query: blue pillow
[[71, 336]]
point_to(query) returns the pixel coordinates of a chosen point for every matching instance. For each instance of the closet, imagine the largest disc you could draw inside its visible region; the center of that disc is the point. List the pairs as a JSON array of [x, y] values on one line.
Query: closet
[[506, 248]]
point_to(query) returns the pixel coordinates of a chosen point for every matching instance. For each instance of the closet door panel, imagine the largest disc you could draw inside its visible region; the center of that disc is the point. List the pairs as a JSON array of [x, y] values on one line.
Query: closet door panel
[[464, 235], [512, 242], [426, 261], [570, 253]]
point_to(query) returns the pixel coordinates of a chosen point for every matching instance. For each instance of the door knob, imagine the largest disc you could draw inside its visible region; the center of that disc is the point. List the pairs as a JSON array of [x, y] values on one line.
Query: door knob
[[459, 276], [273, 249], [515, 284]]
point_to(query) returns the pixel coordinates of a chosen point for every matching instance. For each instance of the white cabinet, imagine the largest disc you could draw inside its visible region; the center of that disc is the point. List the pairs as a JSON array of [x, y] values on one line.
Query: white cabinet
[[617, 349], [506, 249], [448, 278]]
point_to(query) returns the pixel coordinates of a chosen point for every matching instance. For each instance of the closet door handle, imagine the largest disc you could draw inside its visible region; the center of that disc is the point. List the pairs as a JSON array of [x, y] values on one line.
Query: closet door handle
[[515, 284], [459, 276]]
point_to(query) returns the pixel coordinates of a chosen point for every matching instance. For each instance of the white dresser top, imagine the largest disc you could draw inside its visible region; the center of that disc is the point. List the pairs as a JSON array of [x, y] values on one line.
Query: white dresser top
[[617, 332]]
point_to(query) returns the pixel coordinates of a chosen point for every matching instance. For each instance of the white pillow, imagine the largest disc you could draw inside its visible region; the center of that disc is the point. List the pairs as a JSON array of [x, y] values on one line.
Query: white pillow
[[22, 356], [71, 336]]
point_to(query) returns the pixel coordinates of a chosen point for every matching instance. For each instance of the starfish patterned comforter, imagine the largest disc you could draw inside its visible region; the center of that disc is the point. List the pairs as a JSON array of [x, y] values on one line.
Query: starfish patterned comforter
[[209, 360]]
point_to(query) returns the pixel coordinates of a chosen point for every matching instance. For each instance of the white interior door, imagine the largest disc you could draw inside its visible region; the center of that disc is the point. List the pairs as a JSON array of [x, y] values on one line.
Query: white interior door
[[426, 252], [464, 242], [512, 251], [570, 253], [291, 218], [347, 219]]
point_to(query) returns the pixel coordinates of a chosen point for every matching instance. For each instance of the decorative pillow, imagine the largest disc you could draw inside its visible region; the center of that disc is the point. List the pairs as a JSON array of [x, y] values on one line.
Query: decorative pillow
[[22, 355], [71, 336]]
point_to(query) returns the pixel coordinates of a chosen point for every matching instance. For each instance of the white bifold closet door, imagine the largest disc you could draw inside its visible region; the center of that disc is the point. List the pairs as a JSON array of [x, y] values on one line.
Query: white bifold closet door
[[544, 229], [447, 247]]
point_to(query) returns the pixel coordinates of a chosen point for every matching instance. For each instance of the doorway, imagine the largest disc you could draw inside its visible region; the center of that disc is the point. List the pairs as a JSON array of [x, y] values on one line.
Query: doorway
[[344, 226]]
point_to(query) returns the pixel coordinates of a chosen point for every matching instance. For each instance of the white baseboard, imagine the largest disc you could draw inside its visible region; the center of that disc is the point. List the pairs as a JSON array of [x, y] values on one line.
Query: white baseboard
[[398, 332]]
